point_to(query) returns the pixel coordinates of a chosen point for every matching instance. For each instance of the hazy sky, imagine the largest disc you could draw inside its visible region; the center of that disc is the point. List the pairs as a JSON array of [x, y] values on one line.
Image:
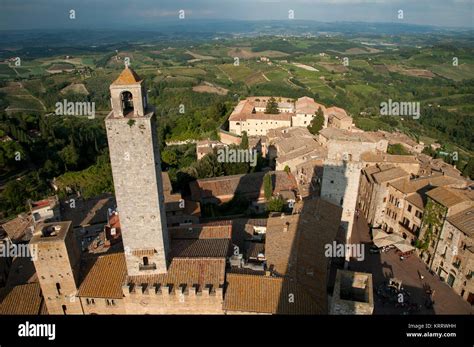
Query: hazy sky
[[31, 14]]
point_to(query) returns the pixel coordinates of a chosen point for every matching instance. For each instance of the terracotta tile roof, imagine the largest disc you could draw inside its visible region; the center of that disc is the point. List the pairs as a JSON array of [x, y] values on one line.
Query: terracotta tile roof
[[337, 112], [23, 299], [410, 186], [264, 294], [189, 271], [285, 116], [16, 228], [417, 199], [127, 76], [447, 197], [346, 135], [390, 174], [464, 221], [245, 110], [307, 105], [88, 211], [104, 277], [200, 248], [201, 232], [389, 158], [299, 252], [250, 185]]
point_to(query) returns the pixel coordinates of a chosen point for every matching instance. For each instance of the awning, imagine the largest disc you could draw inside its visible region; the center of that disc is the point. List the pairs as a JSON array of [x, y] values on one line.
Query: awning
[[388, 240], [403, 247], [378, 234]]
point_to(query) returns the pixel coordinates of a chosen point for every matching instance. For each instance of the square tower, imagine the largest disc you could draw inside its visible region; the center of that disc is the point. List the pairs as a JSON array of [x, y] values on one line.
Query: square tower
[[57, 264], [136, 170]]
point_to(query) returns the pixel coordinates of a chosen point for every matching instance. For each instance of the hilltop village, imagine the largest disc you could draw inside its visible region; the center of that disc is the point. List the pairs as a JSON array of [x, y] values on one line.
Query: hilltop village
[[149, 250]]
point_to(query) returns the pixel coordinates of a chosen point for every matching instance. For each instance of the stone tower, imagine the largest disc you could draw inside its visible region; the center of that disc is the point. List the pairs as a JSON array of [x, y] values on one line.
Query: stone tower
[[136, 170], [57, 262]]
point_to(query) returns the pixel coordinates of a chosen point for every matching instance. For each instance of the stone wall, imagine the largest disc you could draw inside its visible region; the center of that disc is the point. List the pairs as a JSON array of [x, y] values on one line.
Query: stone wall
[[255, 127], [103, 306], [162, 300], [57, 268], [136, 170], [340, 185]]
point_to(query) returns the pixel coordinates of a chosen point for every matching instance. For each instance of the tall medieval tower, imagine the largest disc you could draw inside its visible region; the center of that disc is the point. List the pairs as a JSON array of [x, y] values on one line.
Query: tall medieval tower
[[136, 170]]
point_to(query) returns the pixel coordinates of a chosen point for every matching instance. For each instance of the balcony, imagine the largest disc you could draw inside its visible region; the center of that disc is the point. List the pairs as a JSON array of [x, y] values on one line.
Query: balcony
[[147, 267]]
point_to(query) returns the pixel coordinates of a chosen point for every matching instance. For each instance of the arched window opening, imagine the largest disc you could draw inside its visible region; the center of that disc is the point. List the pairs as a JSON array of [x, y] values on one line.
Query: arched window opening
[[127, 103]]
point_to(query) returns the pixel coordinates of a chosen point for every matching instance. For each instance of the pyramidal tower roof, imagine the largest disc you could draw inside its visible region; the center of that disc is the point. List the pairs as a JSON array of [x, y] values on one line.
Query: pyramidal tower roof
[[128, 76]]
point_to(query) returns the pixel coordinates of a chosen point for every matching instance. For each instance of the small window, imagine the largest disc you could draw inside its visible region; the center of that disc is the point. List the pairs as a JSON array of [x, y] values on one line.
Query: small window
[[409, 208], [145, 261], [58, 288], [64, 309]]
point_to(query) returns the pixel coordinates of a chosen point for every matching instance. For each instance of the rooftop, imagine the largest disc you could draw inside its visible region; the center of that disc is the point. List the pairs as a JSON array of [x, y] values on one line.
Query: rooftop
[[201, 232], [296, 250], [25, 299], [127, 76], [346, 135], [104, 277], [198, 248], [263, 294], [410, 186], [464, 221], [16, 228], [390, 175], [389, 158], [447, 197], [417, 199], [88, 211], [188, 271], [51, 232], [250, 185]]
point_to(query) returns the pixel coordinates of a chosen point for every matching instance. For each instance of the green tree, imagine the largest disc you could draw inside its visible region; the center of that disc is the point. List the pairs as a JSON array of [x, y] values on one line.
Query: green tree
[[287, 169], [14, 197], [169, 157], [244, 144], [276, 204], [397, 149], [272, 106], [268, 186], [469, 169], [317, 122], [69, 156]]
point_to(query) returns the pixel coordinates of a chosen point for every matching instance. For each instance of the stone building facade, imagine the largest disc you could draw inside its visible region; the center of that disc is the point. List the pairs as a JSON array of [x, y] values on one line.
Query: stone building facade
[[454, 257], [135, 159], [249, 115], [57, 264]]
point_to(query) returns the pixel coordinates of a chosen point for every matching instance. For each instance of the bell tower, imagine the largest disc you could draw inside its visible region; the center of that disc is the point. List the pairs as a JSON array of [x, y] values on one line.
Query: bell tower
[[136, 171], [128, 95]]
